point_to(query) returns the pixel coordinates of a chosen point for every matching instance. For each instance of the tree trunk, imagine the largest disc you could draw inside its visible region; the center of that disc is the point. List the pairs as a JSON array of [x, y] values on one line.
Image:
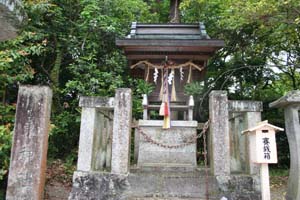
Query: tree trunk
[[174, 11]]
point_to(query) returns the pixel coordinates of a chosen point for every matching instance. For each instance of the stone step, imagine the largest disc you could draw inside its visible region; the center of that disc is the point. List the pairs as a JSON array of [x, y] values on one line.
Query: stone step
[[162, 185], [153, 198], [170, 184], [168, 169]]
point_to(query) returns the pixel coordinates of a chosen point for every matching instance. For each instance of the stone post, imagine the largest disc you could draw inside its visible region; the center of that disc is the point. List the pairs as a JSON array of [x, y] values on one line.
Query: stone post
[[26, 178], [291, 105], [219, 133], [90, 153], [121, 131]]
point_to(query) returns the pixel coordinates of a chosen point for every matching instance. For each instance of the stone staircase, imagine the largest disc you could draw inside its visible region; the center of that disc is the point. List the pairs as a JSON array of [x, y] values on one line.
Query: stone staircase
[[162, 183]]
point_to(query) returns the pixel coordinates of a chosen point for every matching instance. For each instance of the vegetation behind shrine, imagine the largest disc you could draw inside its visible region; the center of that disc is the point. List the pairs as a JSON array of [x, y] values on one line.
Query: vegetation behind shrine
[[70, 46]]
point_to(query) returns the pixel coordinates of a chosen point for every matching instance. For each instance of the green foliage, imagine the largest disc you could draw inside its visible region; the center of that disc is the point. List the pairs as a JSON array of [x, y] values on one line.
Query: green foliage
[[7, 114], [5, 145], [69, 45], [195, 89], [140, 87], [143, 87], [278, 172], [64, 135]]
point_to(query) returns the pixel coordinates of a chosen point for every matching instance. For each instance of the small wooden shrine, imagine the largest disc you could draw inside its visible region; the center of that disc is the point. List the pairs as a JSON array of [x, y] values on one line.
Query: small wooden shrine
[[169, 56], [186, 47]]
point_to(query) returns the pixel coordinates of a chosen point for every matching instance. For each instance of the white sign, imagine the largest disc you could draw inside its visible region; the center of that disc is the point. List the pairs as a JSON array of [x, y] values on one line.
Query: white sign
[[265, 142]]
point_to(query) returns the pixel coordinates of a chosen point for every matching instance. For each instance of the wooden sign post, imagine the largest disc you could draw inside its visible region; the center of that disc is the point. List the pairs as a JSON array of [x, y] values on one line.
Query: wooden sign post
[[263, 151]]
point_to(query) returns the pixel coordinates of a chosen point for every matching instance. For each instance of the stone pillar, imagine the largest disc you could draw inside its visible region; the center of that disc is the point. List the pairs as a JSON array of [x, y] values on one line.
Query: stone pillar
[[90, 153], [237, 142], [30, 143], [109, 140], [121, 131], [219, 133], [291, 105], [87, 139]]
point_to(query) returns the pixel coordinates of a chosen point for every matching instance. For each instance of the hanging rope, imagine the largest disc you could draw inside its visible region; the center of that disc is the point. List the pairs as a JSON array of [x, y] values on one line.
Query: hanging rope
[[162, 85], [147, 74], [190, 75], [153, 66], [173, 93]]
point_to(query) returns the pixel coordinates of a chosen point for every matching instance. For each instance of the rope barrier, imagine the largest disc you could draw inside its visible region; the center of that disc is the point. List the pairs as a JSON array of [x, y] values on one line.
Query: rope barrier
[[188, 141]]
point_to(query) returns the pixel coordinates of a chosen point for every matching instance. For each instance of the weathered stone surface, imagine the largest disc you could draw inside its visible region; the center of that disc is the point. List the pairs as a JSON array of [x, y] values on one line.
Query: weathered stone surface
[[30, 142], [141, 184], [174, 123], [98, 186], [11, 16], [219, 151], [121, 131], [159, 184], [291, 105], [251, 120], [103, 103], [240, 143], [238, 187], [245, 106], [153, 155], [237, 143], [89, 139], [95, 133], [292, 128], [292, 98]]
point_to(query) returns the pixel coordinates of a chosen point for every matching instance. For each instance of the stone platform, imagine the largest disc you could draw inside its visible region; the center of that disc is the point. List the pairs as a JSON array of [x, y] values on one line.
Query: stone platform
[[148, 154], [161, 184]]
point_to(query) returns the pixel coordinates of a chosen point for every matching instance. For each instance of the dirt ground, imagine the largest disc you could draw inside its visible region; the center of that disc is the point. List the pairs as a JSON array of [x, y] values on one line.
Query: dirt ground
[[278, 187], [59, 183]]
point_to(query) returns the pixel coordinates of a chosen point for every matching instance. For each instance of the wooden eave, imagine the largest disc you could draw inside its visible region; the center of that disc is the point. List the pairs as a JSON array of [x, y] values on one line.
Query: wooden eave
[[136, 49], [209, 43]]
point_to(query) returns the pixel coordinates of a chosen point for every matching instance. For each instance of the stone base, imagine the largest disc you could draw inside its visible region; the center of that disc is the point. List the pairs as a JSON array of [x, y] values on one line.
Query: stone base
[[153, 155], [161, 184], [98, 186]]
